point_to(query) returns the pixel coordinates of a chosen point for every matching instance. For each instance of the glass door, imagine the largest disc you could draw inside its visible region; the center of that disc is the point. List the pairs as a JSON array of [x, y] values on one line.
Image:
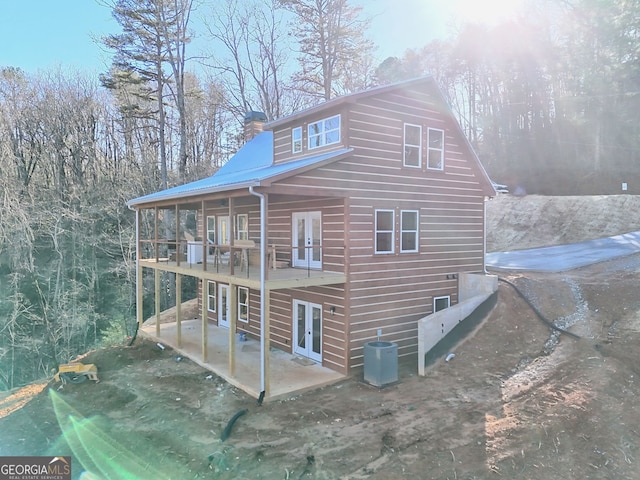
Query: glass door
[[307, 240], [307, 330]]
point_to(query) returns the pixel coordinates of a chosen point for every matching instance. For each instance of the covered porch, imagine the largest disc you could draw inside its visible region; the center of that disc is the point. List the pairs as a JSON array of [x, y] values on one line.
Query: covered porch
[[238, 360]]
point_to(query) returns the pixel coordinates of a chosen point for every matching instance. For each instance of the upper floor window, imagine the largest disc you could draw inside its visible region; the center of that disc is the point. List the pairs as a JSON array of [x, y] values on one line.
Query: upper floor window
[[324, 132], [384, 231], [242, 226], [211, 229], [296, 140], [435, 149], [412, 145]]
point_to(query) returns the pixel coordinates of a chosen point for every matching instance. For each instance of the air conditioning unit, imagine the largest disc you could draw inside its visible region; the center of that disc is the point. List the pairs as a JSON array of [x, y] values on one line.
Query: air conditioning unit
[[380, 363]]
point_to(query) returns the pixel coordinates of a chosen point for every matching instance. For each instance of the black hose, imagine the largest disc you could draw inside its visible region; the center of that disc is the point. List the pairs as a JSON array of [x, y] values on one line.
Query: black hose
[[547, 322], [227, 430]]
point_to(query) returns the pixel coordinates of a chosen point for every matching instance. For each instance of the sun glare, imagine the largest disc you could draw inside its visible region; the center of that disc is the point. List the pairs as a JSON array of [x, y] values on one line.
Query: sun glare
[[487, 12]]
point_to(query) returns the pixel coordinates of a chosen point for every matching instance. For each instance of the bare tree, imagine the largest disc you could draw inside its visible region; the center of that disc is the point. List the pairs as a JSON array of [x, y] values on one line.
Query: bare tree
[[252, 35], [332, 45]]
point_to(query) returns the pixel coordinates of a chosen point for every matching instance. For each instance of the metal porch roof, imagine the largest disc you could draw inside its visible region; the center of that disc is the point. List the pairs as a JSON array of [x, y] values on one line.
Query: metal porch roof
[[250, 166]]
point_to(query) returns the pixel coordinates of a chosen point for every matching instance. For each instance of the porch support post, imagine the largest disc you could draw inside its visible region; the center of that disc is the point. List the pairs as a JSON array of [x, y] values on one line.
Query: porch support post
[[157, 299], [156, 247], [177, 245], [267, 342], [139, 285], [179, 308], [233, 312], [205, 241], [205, 333]]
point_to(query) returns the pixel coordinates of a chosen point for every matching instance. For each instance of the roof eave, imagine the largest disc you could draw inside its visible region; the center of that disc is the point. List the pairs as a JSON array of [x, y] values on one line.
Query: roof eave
[[196, 193]]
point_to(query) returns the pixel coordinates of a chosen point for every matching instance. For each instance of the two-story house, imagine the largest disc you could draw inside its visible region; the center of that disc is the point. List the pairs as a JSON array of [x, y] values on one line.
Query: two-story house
[[332, 226]]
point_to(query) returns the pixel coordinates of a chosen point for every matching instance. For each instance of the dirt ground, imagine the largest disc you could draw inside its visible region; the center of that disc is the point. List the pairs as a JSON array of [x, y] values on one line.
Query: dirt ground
[[518, 401]]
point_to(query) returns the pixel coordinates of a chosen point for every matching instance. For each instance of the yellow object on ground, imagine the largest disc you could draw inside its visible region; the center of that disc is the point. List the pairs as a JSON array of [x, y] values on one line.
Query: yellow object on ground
[[76, 373]]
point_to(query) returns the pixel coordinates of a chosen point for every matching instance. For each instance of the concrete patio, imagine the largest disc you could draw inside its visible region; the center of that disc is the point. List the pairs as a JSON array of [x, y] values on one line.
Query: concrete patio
[[287, 374]]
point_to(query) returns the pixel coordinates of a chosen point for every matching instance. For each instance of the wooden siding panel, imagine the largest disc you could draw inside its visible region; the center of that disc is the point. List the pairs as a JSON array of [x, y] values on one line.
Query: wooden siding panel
[[388, 292]]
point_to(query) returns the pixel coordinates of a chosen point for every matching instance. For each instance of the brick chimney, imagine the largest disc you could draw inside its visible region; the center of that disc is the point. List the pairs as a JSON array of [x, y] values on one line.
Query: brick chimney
[[253, 122]]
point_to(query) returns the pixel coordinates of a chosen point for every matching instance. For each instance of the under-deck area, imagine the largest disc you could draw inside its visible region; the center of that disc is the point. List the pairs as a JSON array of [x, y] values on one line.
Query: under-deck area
[[286, 374]]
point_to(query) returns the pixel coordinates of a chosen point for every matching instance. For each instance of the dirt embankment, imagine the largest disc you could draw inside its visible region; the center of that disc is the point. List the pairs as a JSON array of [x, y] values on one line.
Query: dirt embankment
[[515, 223], [517, 401]]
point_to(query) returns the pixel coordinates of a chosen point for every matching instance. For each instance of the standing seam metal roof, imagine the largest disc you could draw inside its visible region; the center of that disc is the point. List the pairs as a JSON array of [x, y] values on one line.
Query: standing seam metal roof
[[250, 166]]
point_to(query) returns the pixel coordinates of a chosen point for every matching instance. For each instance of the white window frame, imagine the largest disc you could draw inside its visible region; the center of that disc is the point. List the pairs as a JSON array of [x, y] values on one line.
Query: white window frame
[[243, 306], [242, 233], [431, 149], [378, 231], [211, 232], [411, 145], [404, 232], [211, 297], [323, 136], [296, 140], [444, 297]]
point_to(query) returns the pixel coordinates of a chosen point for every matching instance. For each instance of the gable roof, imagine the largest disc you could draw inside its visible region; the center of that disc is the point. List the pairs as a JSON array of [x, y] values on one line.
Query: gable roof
[[355, 97], [428, 82], [252, 165]]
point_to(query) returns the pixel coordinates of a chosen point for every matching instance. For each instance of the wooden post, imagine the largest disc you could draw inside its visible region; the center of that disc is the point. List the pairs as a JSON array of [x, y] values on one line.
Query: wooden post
[[205, 242], [233, 313], [177, 245], [140, 297], [179, 309], [267, 341], [204, 314], [157, 299], [155, 234]]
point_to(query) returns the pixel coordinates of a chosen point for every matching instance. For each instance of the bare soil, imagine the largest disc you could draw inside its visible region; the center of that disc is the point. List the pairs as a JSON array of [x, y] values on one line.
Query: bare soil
[[518, 400]]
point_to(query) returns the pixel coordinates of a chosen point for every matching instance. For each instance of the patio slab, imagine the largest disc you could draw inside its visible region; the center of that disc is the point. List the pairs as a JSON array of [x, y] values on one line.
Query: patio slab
[[288, 374]]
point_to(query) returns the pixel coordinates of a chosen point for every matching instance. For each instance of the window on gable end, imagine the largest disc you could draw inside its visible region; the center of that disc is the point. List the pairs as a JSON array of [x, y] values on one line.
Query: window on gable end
[[384, 231], [435, 149], [412, 145], [296, 140]]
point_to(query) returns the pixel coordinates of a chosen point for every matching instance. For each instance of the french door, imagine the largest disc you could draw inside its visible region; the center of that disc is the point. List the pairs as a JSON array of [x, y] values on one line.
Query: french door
[[307, 239], [307, 330], [224, 307]]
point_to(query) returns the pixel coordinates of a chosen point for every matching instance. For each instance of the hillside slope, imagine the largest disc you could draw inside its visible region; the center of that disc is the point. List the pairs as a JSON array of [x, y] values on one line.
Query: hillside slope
[[515, 223], [518, 401]]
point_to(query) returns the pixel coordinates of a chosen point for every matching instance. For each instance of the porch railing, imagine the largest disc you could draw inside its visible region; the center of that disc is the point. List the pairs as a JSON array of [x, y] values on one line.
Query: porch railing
[[242, 260]]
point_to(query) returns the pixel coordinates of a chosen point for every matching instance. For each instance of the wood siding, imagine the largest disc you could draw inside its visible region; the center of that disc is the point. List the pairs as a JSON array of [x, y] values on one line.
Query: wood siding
[[392, 291], [283, 139], [279, 222]]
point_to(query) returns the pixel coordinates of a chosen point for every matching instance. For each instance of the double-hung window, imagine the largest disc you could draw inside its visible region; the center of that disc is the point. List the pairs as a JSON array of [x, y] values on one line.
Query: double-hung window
[[243, 304], [412, 145], [384, 231], [435, 149], [242, 226], [408, 231], [296, 140], [324, 132], [211, 229], [211, 296]]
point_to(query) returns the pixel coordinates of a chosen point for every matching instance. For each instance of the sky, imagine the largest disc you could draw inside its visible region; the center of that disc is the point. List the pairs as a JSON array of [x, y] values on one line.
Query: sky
[[44, 34]]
